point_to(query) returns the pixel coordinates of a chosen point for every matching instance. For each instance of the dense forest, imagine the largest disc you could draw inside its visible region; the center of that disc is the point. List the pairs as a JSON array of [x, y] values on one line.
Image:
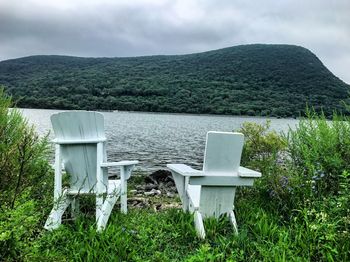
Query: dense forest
[[267, 80]]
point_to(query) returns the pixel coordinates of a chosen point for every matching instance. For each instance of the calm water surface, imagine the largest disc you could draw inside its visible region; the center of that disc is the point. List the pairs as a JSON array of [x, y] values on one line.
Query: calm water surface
[[158, 139]]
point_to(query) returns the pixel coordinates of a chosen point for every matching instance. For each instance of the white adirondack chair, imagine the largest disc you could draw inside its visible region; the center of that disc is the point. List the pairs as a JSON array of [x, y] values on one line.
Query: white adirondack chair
[[211, 192], [81, 150]]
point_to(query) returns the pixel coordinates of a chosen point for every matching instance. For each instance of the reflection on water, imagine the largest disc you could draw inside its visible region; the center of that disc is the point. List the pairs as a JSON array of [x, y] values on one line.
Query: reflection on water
[[158, 139]]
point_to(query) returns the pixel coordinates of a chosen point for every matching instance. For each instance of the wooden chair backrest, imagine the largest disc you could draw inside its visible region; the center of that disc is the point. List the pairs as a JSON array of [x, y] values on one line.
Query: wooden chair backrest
[[223, 152], [222, 157], [80, 159]]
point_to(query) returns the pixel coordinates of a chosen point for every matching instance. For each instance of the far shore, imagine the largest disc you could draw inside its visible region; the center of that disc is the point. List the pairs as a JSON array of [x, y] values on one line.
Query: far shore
[[166, 113]]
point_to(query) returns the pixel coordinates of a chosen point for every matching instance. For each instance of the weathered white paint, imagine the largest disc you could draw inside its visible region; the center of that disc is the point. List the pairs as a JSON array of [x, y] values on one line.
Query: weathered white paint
[[81, 147], [211, 192], [60, 205], [198, 223]]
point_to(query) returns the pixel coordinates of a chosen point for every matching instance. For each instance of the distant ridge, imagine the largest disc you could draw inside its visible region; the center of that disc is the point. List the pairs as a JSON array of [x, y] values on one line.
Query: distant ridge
[[267, 80]]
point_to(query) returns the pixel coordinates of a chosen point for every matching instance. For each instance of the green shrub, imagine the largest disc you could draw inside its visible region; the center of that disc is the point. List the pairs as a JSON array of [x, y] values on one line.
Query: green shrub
[[25, 185], [23, 156], [265, 150], [18, 227], [262, 147], [302, 166], [320, 152], [305, 186]]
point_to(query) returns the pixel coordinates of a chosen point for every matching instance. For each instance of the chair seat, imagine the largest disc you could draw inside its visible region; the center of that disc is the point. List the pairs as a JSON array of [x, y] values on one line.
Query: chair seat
[[113, 186], [194, 194]]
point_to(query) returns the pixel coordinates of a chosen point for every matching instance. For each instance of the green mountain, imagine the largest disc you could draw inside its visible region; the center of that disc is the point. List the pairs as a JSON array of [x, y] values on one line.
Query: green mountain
[[275, 80]]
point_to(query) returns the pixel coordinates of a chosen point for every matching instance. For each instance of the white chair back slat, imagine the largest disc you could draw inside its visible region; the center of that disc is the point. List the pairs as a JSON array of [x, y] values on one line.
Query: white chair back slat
[[222, 156], [80, 159], [223, 152], [88, 126]]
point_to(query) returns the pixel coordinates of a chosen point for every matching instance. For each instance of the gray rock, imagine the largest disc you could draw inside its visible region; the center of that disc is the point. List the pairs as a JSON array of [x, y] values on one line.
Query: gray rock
[[150, 187], [153, 192], [159, 176], [171, 195]]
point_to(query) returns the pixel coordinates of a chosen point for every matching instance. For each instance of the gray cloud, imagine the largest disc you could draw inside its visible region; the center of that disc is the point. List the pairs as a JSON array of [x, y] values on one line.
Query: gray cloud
[[147, 27]]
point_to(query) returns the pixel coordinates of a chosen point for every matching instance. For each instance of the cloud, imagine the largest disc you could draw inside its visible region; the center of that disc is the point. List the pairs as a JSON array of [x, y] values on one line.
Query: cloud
[[147, 27]]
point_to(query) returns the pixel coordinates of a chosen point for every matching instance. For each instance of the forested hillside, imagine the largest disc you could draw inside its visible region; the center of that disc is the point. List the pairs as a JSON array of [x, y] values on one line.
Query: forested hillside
[[275, 80]]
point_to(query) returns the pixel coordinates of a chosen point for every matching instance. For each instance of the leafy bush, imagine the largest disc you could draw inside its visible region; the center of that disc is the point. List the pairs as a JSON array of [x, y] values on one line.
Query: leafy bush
[[262, 146], [320, 152], [23, 156], [18, 227], [265, 150], [306, 173], [24, 183]]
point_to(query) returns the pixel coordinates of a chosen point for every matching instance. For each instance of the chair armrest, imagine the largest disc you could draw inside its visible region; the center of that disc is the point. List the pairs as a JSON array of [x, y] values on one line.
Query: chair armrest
[[181, 174], [120, 163], [78, 141], [126, 168], [184, 170], [246, 172]]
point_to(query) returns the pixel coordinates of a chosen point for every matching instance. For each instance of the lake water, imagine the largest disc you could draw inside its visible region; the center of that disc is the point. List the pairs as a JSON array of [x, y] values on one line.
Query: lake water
[[158, 139]]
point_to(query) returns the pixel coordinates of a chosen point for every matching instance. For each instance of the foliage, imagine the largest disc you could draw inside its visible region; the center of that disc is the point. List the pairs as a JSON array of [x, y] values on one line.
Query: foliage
[[309, 177], [262, 147], [23, 155], [320, 151], [268, 80], [141, 235], [265, 150], [18, 227], [284, 217], [24, 179]]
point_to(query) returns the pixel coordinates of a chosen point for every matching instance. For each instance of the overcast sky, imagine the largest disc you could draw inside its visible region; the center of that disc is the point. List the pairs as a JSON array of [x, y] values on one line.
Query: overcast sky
[[148, 27]]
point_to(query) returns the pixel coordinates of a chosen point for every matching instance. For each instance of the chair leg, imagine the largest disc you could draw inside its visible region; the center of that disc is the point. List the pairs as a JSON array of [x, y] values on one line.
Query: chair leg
[[198, 222], [99, 204], [124, 174], [186, 206], [75, 207], [181, 184], [124, 198], [55, 218], [107, 207], [233, 221]]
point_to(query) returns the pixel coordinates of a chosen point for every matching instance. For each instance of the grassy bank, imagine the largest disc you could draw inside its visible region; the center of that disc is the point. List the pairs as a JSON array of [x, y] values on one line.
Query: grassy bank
[[298, 211]]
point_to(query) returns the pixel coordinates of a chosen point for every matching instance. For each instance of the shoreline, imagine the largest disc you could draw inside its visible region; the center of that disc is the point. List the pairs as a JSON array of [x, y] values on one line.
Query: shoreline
[[166, 113]]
